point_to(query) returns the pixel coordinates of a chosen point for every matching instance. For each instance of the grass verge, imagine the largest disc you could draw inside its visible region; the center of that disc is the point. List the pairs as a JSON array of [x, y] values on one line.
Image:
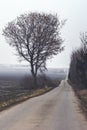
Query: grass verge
[[11, 102], [82, 97]]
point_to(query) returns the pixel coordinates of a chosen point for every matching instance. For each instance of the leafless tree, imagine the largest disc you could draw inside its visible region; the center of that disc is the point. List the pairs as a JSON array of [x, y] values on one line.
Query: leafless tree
[[78, 65], [36, 38], [83, 38]]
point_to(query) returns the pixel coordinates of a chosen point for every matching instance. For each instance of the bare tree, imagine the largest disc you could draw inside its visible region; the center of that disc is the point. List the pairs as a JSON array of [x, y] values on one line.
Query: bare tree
[[83, 38], [36, 38], [78, 65]]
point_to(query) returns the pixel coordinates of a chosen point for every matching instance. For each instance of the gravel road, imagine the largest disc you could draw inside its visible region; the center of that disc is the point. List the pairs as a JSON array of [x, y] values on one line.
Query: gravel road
[[55, 110]]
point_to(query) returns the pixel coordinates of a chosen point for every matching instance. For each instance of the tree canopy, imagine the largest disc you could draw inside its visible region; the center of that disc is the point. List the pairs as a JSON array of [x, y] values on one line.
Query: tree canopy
[[36, 38]]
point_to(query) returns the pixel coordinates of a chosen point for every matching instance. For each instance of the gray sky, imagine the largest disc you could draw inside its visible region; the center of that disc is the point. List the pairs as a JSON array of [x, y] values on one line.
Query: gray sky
[[74, 11]]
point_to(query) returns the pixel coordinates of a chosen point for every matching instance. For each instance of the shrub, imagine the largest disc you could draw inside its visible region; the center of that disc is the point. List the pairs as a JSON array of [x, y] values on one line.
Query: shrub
[[42, 82]]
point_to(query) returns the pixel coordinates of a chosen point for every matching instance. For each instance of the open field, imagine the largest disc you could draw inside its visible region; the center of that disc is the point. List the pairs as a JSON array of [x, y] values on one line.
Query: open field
[[12, 91]]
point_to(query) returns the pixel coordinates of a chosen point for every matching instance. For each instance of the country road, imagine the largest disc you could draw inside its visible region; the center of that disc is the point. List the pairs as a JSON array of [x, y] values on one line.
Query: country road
[[55, 110]]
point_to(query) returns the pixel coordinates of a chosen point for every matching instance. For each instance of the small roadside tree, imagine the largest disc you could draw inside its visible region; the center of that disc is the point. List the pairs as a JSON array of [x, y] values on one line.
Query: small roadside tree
[[36, 38]]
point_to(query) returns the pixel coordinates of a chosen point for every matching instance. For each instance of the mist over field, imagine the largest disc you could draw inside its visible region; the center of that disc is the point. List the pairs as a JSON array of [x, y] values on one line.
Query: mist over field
[[14, 81], [20, 71]]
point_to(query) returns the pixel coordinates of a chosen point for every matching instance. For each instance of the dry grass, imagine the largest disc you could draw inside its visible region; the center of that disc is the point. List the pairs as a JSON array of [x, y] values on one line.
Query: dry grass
[[82, 96], [12, 92], [83, 93], [11, 102]]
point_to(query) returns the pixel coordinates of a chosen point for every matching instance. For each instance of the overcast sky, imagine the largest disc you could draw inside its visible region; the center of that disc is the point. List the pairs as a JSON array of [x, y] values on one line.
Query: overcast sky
[[75, 11]]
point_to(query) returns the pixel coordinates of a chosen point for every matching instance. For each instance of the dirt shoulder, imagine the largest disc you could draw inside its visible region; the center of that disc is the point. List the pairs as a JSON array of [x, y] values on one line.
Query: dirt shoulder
[[82, 98]]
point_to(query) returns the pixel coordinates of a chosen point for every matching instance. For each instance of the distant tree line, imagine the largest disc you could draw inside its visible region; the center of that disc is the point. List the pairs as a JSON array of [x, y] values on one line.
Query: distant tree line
[[78, 66]]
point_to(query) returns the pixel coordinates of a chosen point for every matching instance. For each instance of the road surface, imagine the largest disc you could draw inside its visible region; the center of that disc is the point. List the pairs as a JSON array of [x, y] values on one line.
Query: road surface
[[55, 110]]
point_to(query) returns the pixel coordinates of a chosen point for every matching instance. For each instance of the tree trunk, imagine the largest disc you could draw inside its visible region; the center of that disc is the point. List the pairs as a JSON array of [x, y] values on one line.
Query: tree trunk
[[34, 75], [35, 82]]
